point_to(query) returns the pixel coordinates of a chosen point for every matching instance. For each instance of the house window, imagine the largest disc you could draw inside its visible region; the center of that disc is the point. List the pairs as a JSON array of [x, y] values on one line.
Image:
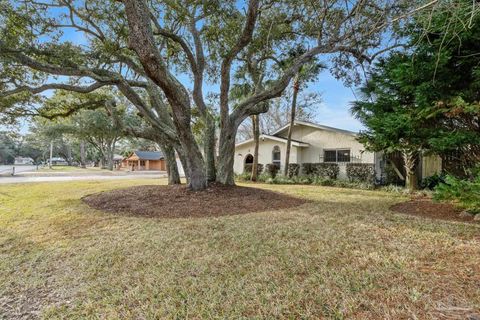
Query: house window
[[343, 155], [276, 155], [338, 155], [330, 156]]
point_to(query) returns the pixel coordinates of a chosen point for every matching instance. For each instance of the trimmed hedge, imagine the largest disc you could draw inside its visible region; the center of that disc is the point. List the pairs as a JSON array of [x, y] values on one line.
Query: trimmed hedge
[[293, 170], [361, 172], [322, 169], [248, 168]]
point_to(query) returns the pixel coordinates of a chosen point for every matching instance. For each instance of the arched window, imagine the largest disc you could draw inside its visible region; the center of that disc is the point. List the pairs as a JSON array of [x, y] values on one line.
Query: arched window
[[276, 155]]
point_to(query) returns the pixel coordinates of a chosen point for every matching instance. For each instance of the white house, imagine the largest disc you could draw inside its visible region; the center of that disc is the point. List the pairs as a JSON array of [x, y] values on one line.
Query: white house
[[311, 143], [23, 160]]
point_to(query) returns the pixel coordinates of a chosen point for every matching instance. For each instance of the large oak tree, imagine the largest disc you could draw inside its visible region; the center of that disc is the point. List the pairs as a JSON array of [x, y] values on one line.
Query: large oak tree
[[161, 54]]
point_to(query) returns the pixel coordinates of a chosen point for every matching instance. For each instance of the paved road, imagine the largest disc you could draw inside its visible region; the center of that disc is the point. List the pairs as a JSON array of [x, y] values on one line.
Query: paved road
[[5, 180], [24, 168]]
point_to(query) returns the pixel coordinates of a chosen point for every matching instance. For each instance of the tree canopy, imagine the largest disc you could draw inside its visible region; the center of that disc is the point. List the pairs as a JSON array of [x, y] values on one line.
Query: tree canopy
[[146, 50]]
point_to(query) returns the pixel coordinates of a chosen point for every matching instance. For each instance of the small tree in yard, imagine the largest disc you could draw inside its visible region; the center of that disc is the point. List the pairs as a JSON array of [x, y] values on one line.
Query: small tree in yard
[[426, 99], [392, 117]]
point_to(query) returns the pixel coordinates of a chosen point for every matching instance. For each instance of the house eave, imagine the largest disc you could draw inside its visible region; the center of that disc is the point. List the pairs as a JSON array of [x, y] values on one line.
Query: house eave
[[278, 139], [316, 126]]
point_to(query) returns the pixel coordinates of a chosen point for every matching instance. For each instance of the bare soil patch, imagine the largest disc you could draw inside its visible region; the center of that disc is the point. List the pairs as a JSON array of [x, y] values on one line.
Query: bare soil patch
[[179, 202], [425, 207]]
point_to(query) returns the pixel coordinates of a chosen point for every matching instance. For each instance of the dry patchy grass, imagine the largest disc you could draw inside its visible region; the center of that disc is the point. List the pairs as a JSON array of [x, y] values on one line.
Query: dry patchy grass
[[342, 255]]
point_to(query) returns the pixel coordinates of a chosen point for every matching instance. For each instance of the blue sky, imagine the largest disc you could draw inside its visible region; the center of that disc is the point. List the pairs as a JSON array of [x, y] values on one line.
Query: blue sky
[[335, 108]]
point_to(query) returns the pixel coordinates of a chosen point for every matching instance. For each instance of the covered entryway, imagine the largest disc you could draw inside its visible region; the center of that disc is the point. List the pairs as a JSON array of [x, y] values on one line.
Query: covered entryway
[[247, 166]]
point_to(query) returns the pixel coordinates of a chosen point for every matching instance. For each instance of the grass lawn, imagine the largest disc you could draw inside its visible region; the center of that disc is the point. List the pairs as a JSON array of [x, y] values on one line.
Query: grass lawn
[[343, 255]]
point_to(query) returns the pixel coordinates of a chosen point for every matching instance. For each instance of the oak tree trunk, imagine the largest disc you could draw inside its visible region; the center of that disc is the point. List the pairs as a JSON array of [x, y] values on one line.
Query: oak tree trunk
[[110, 159], [209, 149], [82, 154], [226, 157], [171, 161], [256, 138]]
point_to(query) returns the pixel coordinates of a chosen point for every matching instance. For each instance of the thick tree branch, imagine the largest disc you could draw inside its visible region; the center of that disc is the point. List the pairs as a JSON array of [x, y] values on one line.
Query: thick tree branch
[[244, 40], [55, 86]]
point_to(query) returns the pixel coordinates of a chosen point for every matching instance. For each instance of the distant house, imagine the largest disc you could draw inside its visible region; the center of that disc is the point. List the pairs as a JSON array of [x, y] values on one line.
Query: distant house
[[23, 160], [57, 161], [145, 160], [117, 160]]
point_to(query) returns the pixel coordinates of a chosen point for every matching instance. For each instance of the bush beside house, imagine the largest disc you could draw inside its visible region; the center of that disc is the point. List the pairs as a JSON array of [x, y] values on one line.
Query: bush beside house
[[248, 168], [322, 170], [293, 170], [361, 172]]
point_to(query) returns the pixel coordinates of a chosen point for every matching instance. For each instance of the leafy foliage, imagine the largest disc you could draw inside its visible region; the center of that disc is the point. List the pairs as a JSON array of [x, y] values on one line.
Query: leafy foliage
[[272, 169], [361, 172], [432, 182], [248, 168], [427, 97], [293, 169], [465, 193], [322, 170]]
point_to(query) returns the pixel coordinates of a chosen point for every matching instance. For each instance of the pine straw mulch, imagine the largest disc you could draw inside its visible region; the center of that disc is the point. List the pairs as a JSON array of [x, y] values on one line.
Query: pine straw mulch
[[425, 207], [179, 202]]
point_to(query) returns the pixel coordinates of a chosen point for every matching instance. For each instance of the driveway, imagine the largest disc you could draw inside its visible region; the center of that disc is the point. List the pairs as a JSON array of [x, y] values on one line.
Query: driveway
[[5, 170], [18, 179]]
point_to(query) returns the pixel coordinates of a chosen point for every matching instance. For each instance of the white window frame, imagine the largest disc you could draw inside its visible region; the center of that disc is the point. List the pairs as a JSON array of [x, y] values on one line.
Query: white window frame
[[279, 161]]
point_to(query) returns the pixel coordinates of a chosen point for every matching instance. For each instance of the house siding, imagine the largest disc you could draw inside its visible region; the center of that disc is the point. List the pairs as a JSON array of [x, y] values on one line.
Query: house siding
[[318, 140], [264, 153]]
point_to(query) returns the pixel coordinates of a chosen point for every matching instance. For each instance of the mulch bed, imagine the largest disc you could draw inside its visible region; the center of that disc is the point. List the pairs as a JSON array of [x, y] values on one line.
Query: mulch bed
[[179, 202], [425, 207]]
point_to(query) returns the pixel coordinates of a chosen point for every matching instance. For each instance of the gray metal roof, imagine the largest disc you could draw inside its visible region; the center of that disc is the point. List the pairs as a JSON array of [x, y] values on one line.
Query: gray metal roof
[[149, 155]]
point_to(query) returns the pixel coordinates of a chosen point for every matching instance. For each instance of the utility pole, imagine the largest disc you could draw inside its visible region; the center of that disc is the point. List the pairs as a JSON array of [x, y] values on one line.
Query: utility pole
[[51, 154]]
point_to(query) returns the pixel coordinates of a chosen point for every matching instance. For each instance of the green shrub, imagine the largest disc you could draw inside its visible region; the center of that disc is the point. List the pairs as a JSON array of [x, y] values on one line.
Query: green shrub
[[326, 170], [361, 172], [323, 181], [248, 168], [263, 177], [432, 182], [394, 189], [322, 169], [465, 193], [244, 176], [307, 169], [280, 180], [271, 169], [293, 170]]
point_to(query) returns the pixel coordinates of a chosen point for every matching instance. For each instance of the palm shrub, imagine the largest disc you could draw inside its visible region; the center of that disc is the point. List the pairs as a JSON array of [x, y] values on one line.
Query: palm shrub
[[465, 193]]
